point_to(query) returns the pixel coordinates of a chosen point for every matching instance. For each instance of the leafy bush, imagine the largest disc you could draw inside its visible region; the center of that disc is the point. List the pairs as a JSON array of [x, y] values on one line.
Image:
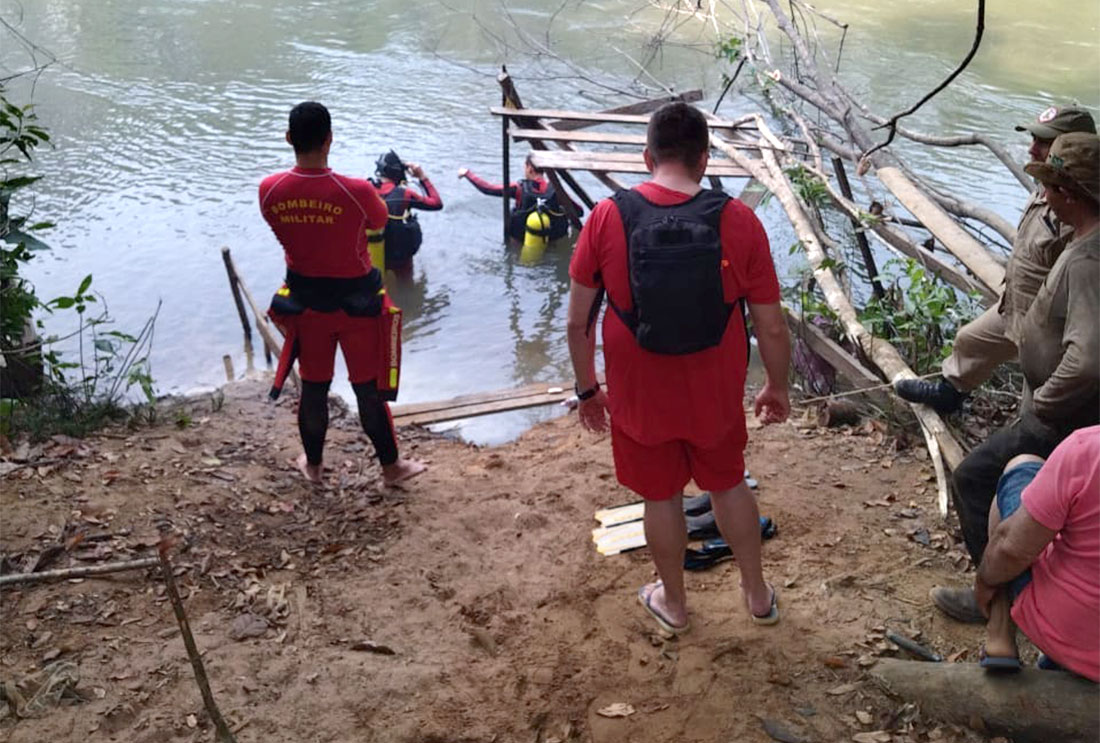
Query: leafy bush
[[51, 394], [918, 315]]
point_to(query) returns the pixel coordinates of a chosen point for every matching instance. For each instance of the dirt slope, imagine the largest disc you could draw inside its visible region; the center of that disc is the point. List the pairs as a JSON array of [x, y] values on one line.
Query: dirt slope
[[503, 622]]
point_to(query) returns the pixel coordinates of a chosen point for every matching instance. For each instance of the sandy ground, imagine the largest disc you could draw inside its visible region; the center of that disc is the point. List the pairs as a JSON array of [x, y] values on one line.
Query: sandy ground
[[468, 606]]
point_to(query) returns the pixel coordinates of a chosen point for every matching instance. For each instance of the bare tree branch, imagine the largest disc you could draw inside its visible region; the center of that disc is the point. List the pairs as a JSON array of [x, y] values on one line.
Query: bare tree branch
[[892, 124]]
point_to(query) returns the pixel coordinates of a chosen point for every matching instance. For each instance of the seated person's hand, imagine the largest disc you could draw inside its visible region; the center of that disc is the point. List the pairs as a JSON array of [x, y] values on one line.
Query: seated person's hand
[[416, 171], [984, 595], [462, 172]]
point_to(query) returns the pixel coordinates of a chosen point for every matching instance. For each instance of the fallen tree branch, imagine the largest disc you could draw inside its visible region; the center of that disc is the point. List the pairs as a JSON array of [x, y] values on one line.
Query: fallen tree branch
[[963, 140], [768, 171], [82, 571]]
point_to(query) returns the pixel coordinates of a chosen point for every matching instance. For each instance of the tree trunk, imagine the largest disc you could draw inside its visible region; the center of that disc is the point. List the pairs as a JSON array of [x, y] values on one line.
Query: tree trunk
[[1032, 706]]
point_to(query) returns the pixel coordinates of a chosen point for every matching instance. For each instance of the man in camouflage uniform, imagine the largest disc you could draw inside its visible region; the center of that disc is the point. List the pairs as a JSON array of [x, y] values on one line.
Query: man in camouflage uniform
[[991, 339], [1059, 351]]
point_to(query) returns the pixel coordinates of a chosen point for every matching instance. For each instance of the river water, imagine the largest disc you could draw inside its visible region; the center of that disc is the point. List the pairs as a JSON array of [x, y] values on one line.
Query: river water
[[167, 113]]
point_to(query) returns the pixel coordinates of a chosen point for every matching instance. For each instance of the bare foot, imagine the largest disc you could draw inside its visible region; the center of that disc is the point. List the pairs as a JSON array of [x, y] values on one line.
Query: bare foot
[[311, 471], [401, 470]]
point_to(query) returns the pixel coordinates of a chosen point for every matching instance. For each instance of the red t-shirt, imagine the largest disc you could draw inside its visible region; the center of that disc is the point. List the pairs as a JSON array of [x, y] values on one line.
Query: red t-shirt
[[321, 219], [1059, 610], [696, 397]]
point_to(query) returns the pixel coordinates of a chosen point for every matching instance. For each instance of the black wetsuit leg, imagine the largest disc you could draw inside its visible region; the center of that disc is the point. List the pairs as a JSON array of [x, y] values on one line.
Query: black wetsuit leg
[[375, 418], [313, 419]]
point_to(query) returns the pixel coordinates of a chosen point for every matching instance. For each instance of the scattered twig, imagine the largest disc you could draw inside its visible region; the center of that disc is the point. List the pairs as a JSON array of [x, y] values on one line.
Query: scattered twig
[[224, 734], [82, 571]]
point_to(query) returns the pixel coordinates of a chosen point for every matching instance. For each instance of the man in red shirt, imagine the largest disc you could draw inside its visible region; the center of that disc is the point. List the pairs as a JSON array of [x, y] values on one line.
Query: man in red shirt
[[321, 219], [676, 352]]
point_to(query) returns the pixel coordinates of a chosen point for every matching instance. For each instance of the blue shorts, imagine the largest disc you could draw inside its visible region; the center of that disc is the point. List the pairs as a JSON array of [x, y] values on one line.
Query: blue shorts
[[1009, 489]]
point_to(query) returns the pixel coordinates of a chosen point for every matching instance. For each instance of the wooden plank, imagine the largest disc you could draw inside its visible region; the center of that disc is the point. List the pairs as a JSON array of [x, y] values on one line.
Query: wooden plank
[[476, 398], [590, 137], [594, 118], [487, 408], [753, 194], [640, 107], [620, 162]]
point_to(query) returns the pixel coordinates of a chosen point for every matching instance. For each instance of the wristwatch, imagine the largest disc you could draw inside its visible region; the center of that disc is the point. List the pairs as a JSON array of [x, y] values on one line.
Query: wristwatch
[[588, 393]]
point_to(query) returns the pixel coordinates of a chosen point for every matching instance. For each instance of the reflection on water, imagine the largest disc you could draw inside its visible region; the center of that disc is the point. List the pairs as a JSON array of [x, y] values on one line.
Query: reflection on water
[[167, 114]]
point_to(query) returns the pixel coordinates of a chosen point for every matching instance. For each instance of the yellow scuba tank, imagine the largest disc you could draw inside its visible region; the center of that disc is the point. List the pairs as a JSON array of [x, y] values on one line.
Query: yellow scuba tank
[[536, 236], [376, 246]]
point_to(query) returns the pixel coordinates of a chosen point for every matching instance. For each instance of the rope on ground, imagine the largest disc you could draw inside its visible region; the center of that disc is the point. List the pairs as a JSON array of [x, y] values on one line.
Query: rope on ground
[[861, 390]]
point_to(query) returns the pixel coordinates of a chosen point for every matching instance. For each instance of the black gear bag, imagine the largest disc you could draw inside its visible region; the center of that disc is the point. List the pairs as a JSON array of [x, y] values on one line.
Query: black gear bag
[[674, 262]]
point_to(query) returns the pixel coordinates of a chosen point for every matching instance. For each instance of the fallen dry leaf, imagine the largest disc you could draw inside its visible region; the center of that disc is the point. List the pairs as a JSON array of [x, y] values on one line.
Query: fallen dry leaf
[[618, 709]]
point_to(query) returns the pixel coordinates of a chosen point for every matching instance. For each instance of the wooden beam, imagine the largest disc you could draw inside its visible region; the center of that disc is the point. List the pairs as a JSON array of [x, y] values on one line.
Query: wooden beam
[[511, 99], [261, 319], [551, 135], [596, 118], [620, 162], [481, 403], [845, 363]]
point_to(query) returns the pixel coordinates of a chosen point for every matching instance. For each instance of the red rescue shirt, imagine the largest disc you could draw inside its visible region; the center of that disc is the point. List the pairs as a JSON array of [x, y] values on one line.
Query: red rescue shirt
[[698, 397], [321, 219]]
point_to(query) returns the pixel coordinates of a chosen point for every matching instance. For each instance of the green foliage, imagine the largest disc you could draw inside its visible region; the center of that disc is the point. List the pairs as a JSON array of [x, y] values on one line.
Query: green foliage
[[19, 136], [808, 186], [729, 49], [918, 315], [77, 395]]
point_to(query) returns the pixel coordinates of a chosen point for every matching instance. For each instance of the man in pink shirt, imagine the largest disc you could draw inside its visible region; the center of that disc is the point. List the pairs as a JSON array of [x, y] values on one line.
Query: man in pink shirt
[[1043, 560]]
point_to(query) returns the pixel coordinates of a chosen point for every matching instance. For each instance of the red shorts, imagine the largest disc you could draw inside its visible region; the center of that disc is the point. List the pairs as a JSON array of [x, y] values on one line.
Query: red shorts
[[320, 332], [660, 472]]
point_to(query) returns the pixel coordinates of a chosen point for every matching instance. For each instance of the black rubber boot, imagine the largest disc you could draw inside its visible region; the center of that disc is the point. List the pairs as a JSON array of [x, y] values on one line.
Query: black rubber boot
[[941, 396]]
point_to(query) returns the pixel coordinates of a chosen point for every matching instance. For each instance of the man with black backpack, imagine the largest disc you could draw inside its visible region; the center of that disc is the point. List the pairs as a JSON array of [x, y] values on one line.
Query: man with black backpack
[[678, 264]]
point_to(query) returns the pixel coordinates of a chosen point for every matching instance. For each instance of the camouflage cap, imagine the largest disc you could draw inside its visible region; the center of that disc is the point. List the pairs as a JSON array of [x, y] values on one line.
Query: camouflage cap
[[1059, 120], [1073, 163]]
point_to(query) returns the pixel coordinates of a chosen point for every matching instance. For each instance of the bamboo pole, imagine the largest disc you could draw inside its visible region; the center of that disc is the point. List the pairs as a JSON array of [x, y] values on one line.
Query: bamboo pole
[[506, 197]]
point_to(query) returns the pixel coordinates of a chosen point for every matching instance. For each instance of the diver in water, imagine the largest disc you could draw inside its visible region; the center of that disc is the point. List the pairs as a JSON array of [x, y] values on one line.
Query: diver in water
[[401, 237], [533, 194]]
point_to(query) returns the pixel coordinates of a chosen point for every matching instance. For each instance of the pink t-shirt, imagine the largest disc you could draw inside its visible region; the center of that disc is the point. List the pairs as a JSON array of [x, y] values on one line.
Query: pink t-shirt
[[1060, 609]]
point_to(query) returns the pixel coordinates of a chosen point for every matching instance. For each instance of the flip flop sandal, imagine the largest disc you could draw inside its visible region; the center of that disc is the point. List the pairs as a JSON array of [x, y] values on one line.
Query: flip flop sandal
[[772, 617], [998, 663], [662, 621]]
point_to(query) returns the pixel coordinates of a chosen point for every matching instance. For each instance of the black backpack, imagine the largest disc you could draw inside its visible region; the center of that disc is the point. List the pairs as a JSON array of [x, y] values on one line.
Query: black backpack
[[674, 263]]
